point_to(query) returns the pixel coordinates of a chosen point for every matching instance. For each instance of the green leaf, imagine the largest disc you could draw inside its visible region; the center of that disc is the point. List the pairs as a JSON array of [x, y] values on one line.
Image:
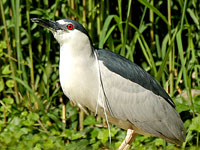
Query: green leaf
[[7, 136], [6, 69], [74, 125], [37, 12], [55, 118], [16, 121], [28, 88], [159, 142], [28, 122], [10, 83], [117, 144], [33, 116], [1, 84], [73, 135], [37, 147], [76, 136], [48, 144], [82, 143], [90, 120], [197, 107], [192, 15], [68, 133], [181, 105], [24, 130], [8, 100], [121, 135], [94, 132], [24, 113], [3, 45], [113, 131], [103, 135], [195, 125], [96, 145]]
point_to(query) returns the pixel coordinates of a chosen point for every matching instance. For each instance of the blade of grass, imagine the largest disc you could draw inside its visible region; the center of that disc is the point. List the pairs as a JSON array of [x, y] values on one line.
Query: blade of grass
[[126, 29], [183, 14], [157, 39], [146, 50], [171, 63], [104, 30], [16, 9], [141, 28], [180, 49], [155, 10], [150, 56], [9, 52], [30, 44], [55, 9], [166, 57], [185, 76], [109, 33], [151, 18], [98, 20], [119, 20]]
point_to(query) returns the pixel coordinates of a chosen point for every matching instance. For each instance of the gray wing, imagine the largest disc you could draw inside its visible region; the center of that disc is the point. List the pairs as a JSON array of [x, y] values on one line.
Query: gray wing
[[133, 95]]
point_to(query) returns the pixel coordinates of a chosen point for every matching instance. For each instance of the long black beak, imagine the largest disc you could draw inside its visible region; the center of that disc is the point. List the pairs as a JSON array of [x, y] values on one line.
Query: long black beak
[[51, 25]]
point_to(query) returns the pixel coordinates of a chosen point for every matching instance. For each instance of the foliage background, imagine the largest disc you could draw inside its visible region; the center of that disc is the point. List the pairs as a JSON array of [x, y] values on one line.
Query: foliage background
[[161, 36]]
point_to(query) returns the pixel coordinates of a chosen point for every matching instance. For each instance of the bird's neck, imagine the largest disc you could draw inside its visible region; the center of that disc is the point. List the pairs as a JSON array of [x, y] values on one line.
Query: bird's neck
[[75, 50], [74, 55], [77, 69]]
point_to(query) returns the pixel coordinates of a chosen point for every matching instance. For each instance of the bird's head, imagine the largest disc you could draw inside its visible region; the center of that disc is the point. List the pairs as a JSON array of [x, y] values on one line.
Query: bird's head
[[65, 30]]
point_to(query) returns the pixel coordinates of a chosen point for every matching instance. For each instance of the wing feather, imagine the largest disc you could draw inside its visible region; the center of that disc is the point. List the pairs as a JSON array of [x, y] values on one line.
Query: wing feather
[[129, 70], [135, 96]]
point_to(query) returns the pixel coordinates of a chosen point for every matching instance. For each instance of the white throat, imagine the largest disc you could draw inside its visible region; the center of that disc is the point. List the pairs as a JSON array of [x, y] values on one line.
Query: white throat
[[77, 68]]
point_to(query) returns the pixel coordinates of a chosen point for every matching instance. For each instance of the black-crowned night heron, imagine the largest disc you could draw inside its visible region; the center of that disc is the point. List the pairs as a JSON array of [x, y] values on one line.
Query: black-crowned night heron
[[112, 86]]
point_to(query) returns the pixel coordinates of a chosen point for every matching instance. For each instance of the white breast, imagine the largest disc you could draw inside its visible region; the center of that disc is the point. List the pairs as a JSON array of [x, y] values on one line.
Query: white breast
[[78, 77]]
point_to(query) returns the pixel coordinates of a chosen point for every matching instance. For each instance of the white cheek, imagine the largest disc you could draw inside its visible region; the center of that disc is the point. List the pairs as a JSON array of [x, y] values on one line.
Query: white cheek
[[70, 37], [57, 34], [61, 36]]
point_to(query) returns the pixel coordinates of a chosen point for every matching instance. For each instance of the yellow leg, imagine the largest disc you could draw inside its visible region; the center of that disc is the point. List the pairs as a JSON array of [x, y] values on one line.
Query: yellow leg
[[130, 137]]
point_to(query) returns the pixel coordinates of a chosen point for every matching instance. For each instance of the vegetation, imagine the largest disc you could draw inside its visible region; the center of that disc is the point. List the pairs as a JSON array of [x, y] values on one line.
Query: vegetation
[[161, 36]]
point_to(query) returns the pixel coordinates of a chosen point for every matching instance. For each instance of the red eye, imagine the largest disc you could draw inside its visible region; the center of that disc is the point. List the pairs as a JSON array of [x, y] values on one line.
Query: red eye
[[70, 26]]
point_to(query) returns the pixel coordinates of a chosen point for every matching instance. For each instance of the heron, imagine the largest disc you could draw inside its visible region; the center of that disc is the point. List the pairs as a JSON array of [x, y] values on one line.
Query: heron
[[112, 86]]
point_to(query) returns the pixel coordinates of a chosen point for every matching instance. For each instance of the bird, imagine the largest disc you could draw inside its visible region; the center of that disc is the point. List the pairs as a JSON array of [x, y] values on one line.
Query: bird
[[112, 86]]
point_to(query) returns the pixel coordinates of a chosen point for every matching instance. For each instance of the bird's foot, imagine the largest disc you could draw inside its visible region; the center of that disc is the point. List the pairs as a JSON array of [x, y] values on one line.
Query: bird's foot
[[130, 137]]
